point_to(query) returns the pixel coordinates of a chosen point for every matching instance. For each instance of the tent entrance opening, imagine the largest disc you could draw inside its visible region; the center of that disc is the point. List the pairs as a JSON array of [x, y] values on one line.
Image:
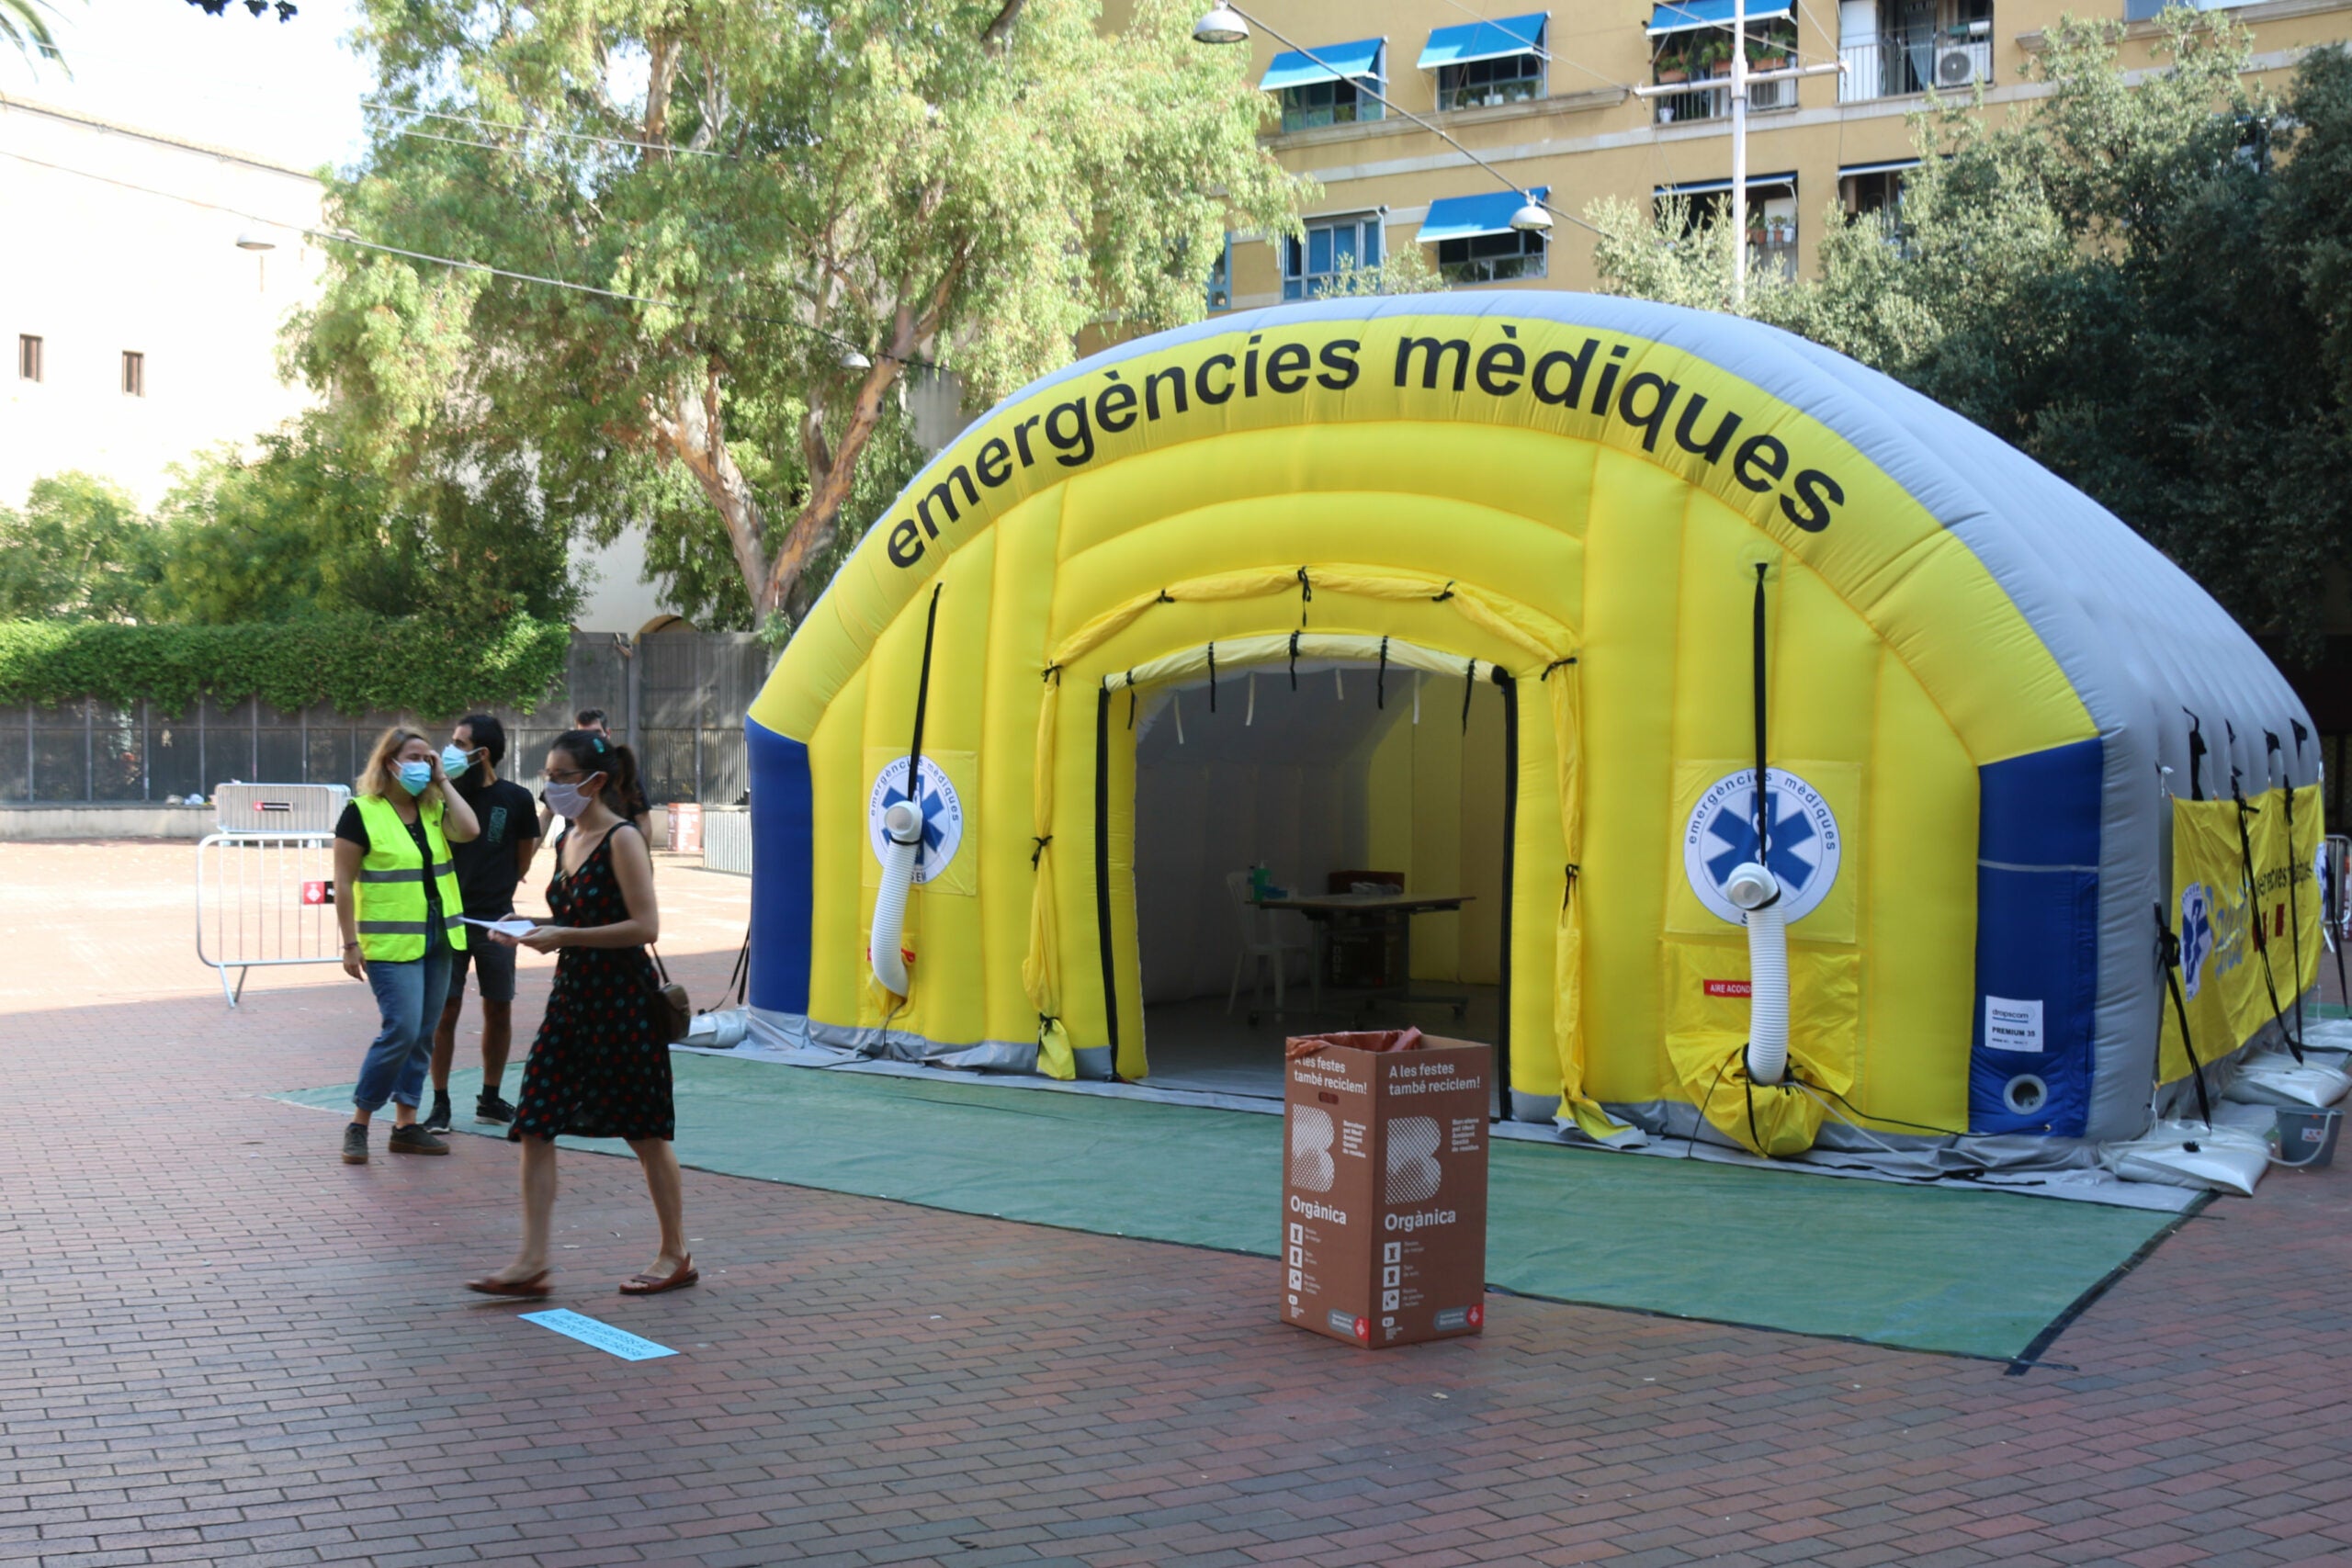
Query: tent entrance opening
[[1361, 792]]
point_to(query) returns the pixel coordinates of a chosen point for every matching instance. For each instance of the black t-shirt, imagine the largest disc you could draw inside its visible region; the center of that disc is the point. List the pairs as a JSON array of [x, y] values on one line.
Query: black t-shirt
[[487, 874], [352, 826]]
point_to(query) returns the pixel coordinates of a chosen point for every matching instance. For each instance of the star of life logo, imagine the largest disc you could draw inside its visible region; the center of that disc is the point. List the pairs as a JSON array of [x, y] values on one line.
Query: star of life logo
[[942, 816], [1720, 837], [2196, 936]]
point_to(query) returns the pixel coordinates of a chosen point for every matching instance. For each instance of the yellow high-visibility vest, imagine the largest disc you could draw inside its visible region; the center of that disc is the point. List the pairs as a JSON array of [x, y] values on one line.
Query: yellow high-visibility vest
[[390, 911]]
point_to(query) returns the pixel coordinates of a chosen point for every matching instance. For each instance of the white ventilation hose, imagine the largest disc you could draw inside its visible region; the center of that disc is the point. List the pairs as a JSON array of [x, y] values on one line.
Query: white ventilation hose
[[902, 825], [1753, 888]]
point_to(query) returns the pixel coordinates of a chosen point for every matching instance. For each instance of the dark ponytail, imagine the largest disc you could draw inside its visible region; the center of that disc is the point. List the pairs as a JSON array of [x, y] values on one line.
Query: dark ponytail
[[592, 754]]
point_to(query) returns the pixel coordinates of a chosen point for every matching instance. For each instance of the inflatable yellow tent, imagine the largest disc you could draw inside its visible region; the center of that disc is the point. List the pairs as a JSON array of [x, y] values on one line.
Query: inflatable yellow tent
[[1639, 547]]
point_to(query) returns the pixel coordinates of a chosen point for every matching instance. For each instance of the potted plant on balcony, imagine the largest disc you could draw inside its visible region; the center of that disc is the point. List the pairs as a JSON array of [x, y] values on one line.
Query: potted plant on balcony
[[1673, 65], [1767, 54], [1713, 58]]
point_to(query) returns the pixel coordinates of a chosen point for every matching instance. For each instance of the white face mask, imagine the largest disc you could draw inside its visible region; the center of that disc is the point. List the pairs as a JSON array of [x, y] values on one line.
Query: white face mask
[[568, 801]]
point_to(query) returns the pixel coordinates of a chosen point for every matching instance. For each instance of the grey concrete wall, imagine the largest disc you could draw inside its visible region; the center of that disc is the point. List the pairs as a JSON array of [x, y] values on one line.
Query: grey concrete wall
[[24, 823]]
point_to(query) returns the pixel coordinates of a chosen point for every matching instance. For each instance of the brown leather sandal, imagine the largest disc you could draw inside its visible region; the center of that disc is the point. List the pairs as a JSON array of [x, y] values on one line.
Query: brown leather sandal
[[531, 1289], [654, 1284]]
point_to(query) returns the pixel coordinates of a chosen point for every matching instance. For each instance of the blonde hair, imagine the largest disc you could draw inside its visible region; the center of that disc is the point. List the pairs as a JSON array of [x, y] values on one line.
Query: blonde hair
[[378, 776]]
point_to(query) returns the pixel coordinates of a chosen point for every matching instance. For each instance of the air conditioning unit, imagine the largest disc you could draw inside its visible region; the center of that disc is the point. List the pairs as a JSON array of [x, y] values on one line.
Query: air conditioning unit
[[1955, 67]]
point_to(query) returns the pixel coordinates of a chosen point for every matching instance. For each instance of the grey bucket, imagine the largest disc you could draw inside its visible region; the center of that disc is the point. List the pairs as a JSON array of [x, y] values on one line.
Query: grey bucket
[[2307, 1138]]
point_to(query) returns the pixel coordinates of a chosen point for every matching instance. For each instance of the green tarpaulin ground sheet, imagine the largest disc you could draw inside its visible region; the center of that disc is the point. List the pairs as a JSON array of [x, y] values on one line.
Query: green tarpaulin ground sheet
[[1929, 1269]]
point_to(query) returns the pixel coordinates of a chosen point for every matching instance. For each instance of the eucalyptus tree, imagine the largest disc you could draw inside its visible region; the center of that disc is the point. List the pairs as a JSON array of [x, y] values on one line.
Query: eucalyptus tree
[[750, 221]]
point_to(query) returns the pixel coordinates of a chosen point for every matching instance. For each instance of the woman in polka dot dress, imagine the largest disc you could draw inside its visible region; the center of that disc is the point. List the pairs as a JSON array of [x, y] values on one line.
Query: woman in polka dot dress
[[600, 1067]]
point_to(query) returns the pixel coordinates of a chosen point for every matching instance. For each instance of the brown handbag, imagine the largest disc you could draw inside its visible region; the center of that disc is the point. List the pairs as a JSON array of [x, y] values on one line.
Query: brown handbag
[[670, 998]]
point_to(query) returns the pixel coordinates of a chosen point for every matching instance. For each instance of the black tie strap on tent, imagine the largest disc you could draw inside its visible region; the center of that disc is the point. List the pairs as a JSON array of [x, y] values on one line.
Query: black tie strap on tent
[[2247, 811], [2169, 960]]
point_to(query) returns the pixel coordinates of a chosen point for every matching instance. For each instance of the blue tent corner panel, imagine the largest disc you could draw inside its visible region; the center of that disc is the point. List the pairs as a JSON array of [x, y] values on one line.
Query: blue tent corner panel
[[2037, 941], [1338, 61], [784, 881], [1465, 217], [1684, 15], [1484, 40]]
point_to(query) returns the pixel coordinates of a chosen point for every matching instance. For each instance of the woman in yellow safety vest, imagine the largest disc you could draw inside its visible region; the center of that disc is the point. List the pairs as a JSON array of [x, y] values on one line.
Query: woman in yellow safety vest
[[400, 915]]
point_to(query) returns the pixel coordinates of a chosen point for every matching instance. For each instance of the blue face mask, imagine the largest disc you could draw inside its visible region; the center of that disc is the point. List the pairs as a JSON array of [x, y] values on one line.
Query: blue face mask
[[414, 776], [455, 760]]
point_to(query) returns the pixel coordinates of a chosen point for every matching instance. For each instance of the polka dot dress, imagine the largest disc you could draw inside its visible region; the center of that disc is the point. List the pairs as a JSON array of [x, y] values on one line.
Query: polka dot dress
[[600, 1067]]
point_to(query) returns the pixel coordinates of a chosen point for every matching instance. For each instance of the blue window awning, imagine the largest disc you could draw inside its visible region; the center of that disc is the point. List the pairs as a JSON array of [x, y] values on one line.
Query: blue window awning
[[1683, 16], [1484, 40], [1340, 61], [1710, 187], [1466, 217]]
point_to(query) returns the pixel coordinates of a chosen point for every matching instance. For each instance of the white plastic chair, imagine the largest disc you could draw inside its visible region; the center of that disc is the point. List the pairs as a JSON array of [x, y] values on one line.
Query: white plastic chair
[[1264, 945]]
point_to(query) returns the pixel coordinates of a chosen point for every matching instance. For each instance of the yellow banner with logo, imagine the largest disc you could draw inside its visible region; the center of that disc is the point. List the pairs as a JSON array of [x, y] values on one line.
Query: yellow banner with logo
[[2244, 892]]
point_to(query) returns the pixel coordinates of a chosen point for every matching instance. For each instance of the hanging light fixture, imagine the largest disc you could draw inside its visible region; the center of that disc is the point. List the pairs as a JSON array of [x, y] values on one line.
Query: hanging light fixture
[[852, 360], [1223, 25], [1531, 218], [254, 240]]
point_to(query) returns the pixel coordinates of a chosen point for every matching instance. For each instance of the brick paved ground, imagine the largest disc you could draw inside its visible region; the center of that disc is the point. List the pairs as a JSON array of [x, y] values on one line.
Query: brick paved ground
[[219, 1344]]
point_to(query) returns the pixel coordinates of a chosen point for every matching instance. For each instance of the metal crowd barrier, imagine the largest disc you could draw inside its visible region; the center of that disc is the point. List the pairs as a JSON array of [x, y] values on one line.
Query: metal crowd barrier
[[263, 900], [2338, 884], [727, 839]]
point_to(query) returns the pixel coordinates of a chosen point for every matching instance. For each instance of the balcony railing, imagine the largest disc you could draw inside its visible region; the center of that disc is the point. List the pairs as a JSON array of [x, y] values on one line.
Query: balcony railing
[[1712, 101], [1895, 64], [1774, 256]]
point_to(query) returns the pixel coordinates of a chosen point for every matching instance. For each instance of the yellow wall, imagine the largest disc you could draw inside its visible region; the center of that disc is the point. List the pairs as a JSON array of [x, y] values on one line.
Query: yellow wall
[[1589, 138], [1437, 802]]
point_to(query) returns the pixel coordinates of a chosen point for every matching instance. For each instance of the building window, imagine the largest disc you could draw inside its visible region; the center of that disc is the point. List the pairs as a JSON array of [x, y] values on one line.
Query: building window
[[134, 374], [1311, 262], [27, 357], [1331, 102], [1221, 278], [1492, 258], [1514, 79]]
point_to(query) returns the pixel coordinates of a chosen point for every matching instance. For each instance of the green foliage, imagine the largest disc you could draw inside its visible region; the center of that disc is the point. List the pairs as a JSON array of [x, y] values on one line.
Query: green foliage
[[1405, 270], [969, 182], [78, 550], [294, 531], [301, 529], [23, 26], [2146, 286], [356, 663]]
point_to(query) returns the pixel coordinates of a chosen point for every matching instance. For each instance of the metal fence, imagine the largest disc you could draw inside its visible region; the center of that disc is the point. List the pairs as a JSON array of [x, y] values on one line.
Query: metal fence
[[263, 901], [677, 697]]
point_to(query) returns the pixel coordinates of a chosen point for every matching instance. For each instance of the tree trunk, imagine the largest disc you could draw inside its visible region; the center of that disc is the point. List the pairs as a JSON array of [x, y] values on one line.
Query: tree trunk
[[832, 474], [695, 432]]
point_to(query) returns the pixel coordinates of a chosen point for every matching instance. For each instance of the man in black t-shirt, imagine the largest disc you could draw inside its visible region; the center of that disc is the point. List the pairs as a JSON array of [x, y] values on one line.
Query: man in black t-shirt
[[489, 870]]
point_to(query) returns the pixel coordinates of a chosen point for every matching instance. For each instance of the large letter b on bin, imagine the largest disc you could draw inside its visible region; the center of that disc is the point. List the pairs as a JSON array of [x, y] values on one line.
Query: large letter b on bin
[[1413, 1173]]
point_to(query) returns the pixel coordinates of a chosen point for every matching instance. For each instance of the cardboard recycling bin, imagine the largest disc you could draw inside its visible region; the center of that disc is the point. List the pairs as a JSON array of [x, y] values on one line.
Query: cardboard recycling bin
[[1384, 1186]]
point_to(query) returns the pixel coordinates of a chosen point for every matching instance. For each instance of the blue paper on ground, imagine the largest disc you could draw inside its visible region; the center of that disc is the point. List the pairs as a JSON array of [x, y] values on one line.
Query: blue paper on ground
[[603, 1335]]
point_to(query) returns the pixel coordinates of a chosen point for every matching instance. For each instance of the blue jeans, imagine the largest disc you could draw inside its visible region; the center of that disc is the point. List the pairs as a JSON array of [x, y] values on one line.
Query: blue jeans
[[409, 996]]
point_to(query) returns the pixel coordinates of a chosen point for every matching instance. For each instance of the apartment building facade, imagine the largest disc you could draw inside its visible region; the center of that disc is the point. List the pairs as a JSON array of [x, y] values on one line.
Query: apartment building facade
[[1549, 98]]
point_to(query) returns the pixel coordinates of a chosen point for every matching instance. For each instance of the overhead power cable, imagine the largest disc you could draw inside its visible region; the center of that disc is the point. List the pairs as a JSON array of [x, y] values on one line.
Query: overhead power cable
[[462, 265], [478, 123]]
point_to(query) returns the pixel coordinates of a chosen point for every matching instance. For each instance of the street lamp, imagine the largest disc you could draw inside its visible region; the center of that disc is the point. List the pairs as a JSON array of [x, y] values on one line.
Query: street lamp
[[852, 359], [1223, 25], [254, 239], [1531, 218]]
